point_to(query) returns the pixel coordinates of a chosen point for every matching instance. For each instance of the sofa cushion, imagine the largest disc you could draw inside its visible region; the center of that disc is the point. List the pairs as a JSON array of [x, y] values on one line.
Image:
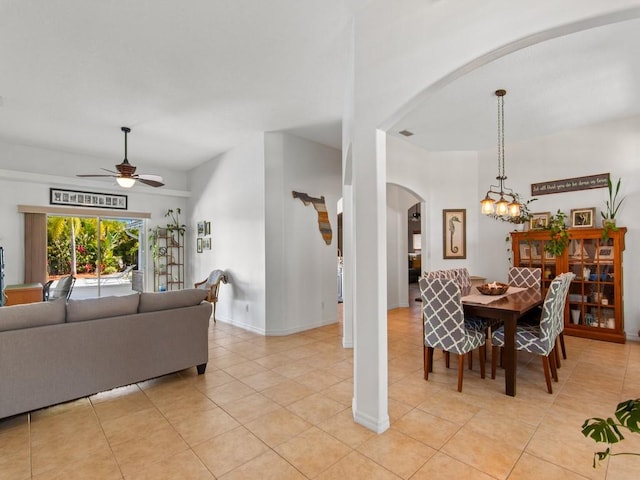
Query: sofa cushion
[[29, 315], [94, 308], [152, 302]]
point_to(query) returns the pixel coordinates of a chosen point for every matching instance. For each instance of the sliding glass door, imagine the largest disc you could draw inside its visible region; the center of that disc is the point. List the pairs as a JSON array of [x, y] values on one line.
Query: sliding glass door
[[100, 252]]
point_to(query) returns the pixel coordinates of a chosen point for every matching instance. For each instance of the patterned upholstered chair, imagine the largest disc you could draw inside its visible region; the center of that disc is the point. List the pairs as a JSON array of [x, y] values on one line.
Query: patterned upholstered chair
[[212, 283], [540, 339], [444, 325], [525, 277]]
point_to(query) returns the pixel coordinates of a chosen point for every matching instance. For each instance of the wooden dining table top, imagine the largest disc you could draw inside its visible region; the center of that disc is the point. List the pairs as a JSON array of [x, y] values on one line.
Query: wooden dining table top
[[515, 303]]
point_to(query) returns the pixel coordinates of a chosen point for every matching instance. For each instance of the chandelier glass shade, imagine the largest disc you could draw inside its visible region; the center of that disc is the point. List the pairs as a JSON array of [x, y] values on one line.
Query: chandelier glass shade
[[499, 199]]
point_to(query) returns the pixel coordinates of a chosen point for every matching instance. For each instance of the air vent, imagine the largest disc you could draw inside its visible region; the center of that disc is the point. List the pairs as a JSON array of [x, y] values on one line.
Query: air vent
[[406, 133]]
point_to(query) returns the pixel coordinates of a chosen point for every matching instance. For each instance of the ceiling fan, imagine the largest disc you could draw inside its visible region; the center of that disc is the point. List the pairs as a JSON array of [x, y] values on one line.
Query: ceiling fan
[[125, 175]]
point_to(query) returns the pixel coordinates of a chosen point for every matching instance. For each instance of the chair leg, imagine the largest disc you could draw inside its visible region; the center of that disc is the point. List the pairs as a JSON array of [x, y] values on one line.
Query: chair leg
[[552, 363], [494, 360], [547, 376], [470, 355], [446, 359], [564, 350], [483, 354], [214, 312], [460, 371], [556, 353], [428, 352], [431, 360]]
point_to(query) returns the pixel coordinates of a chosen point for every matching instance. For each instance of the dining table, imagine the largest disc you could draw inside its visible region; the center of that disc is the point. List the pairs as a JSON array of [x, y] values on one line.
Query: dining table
[[507, 308]]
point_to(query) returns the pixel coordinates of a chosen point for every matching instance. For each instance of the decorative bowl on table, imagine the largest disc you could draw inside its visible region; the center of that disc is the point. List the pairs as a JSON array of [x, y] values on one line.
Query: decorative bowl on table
[[494, 288]]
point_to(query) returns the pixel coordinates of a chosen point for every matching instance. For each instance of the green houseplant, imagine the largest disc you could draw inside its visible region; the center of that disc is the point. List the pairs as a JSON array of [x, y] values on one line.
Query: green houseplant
[[612, 207], [559, 235], [607, 430]]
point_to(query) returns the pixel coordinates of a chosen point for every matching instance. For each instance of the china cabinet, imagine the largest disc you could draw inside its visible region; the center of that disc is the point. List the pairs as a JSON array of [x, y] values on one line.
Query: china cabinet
[[595, 300]]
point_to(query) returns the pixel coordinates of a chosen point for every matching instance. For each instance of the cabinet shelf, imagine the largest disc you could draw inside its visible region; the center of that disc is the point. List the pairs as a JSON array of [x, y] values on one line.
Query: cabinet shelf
[[168, 268], [596, 278]]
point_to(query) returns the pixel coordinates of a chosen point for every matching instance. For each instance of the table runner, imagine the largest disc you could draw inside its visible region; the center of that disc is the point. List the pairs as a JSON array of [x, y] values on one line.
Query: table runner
[[486, 299]]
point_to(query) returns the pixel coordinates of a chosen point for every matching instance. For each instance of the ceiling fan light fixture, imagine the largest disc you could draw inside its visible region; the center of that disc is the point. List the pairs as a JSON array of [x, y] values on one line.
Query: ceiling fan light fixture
[[126, 182]]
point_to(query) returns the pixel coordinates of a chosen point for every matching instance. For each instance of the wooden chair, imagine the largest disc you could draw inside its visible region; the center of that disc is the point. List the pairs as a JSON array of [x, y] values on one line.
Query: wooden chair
[[212, 283], [444, 325], [540, 339]]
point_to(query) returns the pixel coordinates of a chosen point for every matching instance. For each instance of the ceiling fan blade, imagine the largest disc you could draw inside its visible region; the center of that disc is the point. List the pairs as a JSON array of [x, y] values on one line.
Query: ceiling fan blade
[[95, 175], [151, 183], [110, 171]]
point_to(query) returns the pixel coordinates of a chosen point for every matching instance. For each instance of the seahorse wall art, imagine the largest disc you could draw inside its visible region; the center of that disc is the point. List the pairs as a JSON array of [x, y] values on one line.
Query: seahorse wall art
[[323, 216]]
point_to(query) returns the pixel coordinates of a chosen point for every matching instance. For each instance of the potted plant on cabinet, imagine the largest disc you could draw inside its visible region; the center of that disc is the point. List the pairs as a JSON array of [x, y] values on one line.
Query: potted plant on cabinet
[[559, 234], [612, 207]]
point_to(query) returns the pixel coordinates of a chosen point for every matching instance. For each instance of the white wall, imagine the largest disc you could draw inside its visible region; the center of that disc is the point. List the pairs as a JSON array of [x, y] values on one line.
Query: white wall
[[282, 274], [27, 173], [399, 200], [301, 267], [229, 192]]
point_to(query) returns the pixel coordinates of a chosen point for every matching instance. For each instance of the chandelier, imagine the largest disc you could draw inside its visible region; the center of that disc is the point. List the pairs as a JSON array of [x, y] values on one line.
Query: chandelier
[[507, 201]]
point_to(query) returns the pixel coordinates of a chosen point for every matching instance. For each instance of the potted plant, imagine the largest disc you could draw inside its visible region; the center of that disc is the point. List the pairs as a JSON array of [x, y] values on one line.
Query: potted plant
[[607, 430], [559, 234], [175, 224], [609, 214]]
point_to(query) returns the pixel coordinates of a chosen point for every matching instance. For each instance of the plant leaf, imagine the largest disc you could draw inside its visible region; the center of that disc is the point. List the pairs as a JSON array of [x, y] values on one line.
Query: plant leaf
[[628, 414], [602, 430], [600, 456]]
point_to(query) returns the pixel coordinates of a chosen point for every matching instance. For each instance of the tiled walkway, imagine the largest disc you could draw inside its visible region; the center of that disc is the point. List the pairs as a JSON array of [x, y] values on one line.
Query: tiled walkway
[[280, 408]]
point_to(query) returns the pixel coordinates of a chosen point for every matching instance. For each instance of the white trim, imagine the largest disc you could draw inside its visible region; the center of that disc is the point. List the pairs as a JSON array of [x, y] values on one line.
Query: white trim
[[81, 211], [377, 425], [84, 183]]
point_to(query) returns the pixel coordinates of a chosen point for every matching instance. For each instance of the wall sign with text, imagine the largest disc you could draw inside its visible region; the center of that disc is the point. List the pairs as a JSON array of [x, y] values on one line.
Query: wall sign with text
[[570, 184]]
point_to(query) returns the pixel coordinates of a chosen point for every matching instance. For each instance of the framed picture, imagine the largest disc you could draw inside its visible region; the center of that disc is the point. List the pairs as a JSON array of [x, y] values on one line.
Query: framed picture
[[525, 251], [454, 233], [605, 252], [206, 243], [77, 198], [199, 245], [583, 217], [200, 229], [539, 220], [207, 228]]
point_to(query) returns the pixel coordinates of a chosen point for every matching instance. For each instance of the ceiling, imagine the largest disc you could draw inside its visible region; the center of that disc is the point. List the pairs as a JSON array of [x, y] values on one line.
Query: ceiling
[[191, 78], [561, 84], [194, 79]]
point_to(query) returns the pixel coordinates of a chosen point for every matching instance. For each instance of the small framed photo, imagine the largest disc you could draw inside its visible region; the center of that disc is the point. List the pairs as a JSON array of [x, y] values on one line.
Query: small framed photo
[[199, 245], [200, 229], [525, 251], [207, 228], [206, 243], [539, 220], [605, 252], [583, 217]]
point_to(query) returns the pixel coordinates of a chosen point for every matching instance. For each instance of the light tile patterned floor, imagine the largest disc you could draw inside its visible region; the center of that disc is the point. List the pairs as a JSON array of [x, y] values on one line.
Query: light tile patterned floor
[[280, 408]]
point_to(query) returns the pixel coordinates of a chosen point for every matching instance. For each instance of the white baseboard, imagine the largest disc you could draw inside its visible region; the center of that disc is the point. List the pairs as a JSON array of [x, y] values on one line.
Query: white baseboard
[[377, 425]]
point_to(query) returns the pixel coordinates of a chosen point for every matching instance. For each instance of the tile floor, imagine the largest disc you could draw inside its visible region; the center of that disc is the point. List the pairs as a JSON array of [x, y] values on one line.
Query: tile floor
[[280, 408]]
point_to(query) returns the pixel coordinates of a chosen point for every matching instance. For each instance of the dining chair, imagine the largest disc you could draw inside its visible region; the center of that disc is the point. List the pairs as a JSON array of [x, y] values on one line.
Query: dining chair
[[525, 277], [212, 284], [540, 339], [444, 325], [532, 277]]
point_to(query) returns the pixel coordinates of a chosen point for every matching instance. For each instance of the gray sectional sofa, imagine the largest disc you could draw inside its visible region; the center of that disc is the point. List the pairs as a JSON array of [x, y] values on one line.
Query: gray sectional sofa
[[52, 352]]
